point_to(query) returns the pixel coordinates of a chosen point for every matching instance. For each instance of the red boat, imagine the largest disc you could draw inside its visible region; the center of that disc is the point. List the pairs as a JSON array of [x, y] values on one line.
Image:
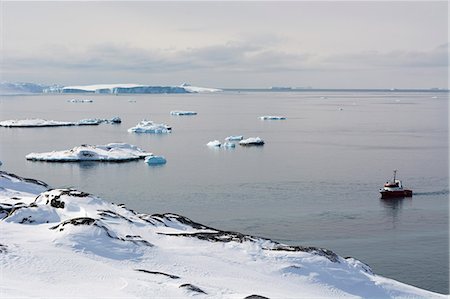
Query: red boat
[[394, 189]]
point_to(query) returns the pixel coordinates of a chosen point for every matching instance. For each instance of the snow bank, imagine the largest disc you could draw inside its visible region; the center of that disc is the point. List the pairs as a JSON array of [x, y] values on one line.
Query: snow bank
[[148, 126], [109, 152], [272, 117], [252, 141], [68, 243], [181, 113]]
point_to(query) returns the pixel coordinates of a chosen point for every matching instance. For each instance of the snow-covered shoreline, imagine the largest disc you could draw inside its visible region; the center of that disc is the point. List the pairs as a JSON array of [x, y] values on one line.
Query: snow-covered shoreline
[[58, 243]]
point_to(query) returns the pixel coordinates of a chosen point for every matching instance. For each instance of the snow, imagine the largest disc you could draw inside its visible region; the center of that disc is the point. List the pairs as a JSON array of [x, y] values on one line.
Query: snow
[[64, 243], [148, 126], [272, 117], [234, 138], [155, 160], [181, 113], [37, 122], [255, 141], [108, 152], [214, 143]]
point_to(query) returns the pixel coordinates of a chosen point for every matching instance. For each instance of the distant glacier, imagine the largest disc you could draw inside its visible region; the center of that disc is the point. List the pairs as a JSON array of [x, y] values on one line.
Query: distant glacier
[[29, 88]]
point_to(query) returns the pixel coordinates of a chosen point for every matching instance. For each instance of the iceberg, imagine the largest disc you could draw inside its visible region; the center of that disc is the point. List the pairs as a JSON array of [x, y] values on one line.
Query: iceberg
[[228, 145], [112, 152], [252, 141], [155, 160], [129, 88], [272, 117], [37, 122], [120, 253], [181, 113], [214, 143], [148, 126], [80, 101], [17, 88], [34, 122], [234, 138]]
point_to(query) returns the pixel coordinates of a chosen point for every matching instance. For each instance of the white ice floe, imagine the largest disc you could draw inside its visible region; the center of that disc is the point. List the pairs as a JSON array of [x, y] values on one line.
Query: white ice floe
[[80, 101], [148, 126], [108, 152], [228, 144], [65, 243], [36, 122], [155, 160], [272, 117], [181, 113], [234, 138], [214, 143], [252, 141]]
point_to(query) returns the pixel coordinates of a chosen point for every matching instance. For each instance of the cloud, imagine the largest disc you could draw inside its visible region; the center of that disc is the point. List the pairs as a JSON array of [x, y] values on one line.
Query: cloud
[[436, 57]]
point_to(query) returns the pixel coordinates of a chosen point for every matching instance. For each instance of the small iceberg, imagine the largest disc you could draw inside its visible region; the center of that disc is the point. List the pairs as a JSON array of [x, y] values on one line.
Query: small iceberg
[[34, 123], [272, 117], [112, 152], [252, 141], [214, 143], [115, 120], [80, 101], [234, 138], [148, 126], [89, 122], [181, 113], [155, 160], [228, 145]]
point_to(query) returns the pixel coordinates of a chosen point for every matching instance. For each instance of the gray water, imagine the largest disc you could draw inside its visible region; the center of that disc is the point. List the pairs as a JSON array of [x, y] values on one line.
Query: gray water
[[314, 183]]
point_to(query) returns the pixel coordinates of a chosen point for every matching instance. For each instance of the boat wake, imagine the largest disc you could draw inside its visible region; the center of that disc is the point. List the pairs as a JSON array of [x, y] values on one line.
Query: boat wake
[[431, 193]]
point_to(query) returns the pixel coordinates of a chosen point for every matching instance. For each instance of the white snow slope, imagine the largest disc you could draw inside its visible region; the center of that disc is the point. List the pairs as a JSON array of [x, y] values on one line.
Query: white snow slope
[[64, 243]]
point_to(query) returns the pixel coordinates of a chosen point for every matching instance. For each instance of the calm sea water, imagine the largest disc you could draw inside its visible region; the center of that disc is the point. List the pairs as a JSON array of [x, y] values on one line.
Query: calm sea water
[[315, 182]]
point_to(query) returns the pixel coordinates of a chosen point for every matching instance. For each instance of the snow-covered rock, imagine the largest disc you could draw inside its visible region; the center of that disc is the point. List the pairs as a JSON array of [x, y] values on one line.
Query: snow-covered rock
[[148, 126], [68, 243], [182, 113], [109, 152], [234, 138], [252, 141], [272, 117], [214, 143], [155, 160]]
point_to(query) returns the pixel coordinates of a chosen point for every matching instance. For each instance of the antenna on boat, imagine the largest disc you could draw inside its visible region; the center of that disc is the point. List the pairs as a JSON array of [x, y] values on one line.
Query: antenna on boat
[[395, 173]]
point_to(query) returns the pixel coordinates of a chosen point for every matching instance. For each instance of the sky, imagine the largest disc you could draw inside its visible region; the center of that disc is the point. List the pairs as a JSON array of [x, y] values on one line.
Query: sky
[[227, 44]]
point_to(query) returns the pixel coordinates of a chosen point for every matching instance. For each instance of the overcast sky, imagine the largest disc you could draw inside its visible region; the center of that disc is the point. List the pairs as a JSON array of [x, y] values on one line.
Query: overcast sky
[[235, 44]]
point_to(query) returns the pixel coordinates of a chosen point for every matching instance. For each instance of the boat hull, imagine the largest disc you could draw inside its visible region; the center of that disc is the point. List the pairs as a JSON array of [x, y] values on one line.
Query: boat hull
[[396, 194]]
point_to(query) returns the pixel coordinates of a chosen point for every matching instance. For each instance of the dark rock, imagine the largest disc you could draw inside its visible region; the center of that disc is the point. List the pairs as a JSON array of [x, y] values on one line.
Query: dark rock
[[158, 273], [192, 288], [255, 297], [57, 203], [3, 248], [75, 221]]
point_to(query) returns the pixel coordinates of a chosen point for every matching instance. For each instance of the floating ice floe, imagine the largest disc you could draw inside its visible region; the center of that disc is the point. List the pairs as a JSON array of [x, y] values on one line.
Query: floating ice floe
[[109, 152], [252, 141], [155, 160], [272, 117], [181, 113], [79, 239], [228, 144], [148, 126], [80, 101], [214, 143], [36, 122], [234, 138]]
